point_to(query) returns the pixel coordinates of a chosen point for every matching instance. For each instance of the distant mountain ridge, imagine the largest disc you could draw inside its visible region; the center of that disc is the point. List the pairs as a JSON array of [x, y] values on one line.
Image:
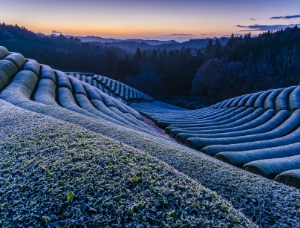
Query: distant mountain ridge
[[114, 40], [10, 32], [132, 44]]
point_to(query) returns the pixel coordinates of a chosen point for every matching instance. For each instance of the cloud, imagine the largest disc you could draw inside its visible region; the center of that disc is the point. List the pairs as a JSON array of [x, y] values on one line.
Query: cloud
[[180, 34], [263, 27], [249, 30], [253, 19], [286, 17], [56, 32]]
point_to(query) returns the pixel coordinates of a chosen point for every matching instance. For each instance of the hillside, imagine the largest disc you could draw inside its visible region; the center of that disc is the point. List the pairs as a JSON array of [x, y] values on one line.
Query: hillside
[[131, 45], [24, 46], [76, 154]]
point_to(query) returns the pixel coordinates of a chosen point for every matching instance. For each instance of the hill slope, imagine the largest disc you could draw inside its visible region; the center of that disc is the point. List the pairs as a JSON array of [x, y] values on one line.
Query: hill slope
[[57, 174], [78, 117]]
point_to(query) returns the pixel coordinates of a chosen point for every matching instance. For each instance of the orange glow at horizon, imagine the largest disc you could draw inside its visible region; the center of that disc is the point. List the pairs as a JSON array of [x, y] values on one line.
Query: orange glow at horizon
[[179, 20], [121, 31]]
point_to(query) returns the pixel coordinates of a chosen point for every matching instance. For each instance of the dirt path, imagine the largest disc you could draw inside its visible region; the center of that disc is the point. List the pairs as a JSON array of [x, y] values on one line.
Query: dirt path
[[159, 130]]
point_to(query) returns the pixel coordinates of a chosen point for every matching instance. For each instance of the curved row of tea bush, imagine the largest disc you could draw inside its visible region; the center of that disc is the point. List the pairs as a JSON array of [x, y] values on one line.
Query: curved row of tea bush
[[248, 131], [52, 87], [283, 129], [264, 122], [3, 52], [278, 99], [250, 193], [274, 166], [291, 178], [237, 128], [239, 158], [113, 87]]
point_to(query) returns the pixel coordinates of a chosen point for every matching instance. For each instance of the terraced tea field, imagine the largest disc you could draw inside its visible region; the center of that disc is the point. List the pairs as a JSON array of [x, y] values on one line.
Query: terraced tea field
[[259, 131], [74, 154]]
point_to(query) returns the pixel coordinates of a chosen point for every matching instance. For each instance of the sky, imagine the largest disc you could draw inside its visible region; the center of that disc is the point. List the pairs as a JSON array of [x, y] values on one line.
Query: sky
[[151, 19]]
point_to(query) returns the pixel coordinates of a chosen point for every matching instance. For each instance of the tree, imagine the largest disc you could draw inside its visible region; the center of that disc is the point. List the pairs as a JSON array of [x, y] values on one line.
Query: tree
[[217, 49], [208, 48], [217, 80], [147, 80], [264, 67], [285, 63], [207, 78]]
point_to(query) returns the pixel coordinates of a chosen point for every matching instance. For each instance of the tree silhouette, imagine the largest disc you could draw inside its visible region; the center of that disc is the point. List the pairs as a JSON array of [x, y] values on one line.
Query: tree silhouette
[[147, 80]]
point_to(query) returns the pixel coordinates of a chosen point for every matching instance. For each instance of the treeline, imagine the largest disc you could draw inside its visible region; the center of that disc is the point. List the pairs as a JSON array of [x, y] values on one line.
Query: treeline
[[244, 64], [167, 72], [59, 51], [248, 64]]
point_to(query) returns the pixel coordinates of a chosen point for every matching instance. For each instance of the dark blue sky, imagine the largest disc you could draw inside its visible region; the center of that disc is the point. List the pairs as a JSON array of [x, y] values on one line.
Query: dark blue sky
[[158, 19]]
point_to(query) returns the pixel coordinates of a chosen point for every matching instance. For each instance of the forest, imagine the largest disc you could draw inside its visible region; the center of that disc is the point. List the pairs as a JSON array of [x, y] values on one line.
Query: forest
[[245, 64]]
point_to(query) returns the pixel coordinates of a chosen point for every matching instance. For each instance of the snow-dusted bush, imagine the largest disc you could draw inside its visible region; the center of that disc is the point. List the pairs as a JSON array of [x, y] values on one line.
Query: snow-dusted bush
[[21, 87], [48, 73], [7, 72], [66, 100], [240, 158], [63, 80], [291, 178], [251, 101], [33, 66], [3, 52], [46, 92], [294, 100], [283, 98], [77, 86], [17, 59], [272, 167], [259, 102]]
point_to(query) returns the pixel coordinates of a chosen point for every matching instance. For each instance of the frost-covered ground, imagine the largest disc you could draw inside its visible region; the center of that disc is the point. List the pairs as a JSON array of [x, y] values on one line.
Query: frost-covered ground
[[57, 174], [73, 153]]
